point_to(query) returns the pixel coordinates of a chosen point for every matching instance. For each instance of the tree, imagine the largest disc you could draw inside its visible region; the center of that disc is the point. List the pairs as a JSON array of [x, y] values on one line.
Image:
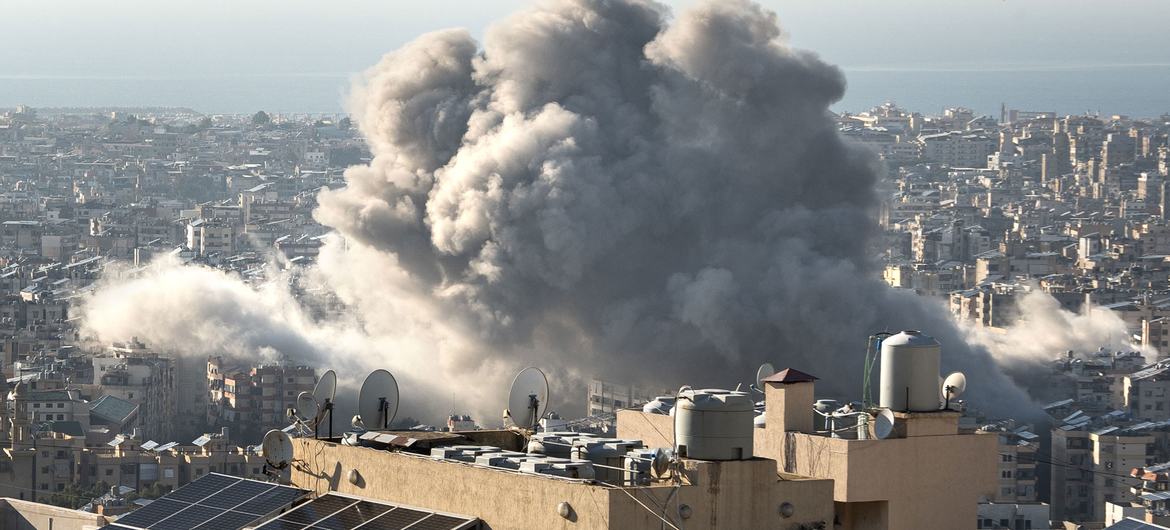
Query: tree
[[345, 123], [261, 118]]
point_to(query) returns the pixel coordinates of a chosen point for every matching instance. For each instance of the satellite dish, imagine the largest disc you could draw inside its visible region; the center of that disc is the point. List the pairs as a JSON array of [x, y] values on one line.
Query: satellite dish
[[307, 408], [661, 463], [378, 400], [765, 370], [278, 448], [528, 398], [326, 390], [883, 424], [954, 386]]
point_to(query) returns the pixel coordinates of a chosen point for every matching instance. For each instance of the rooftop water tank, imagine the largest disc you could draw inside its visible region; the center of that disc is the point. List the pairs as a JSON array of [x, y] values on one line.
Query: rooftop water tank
[[714, 424], [910, 372]]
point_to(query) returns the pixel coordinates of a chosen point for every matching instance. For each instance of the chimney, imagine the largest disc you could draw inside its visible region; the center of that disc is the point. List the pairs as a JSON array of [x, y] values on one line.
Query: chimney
[[788, 399]]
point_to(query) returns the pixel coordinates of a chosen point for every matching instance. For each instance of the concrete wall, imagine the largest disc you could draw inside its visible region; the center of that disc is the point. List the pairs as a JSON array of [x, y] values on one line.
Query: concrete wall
[[655, 430], [928, 480], [741, 494], [23, 515]]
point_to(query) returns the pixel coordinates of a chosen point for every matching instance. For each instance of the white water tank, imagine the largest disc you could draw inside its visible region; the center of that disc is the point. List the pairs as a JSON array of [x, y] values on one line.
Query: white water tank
[[713, 424], [910, 371]]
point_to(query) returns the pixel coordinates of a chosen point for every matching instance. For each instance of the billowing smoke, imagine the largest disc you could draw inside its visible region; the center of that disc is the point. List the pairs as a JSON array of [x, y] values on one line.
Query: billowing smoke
[[600, 190], [1045, 330]]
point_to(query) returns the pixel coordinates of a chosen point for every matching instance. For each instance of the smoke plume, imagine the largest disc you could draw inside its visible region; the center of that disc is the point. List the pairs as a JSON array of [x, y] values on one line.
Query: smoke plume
[[1045, 330], [600, 189]]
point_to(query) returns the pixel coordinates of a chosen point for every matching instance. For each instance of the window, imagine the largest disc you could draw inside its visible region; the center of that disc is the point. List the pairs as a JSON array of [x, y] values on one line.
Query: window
[[1006, 458], [60, 405], [36, 405], [60, 417], [1007, 473], [109, 472]]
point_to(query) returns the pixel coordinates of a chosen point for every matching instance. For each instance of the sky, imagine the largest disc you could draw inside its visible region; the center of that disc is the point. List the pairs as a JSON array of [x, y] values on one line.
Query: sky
[[213, 38]]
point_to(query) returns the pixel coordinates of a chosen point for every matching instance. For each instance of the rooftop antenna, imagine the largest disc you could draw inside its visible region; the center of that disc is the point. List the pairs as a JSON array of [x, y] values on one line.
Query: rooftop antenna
[[324, 393], [378, 400], [278, 449], [764, 371], [529, 393], [953, 387]]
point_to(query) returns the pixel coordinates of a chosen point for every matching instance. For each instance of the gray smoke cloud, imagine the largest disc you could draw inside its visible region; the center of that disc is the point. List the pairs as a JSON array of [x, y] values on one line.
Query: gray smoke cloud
[[599, 190], [605, 188]]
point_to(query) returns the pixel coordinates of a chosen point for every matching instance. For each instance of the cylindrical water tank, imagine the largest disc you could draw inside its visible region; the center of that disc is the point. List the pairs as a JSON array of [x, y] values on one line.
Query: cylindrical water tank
[[712, 424], [910, 370], [659, 405]]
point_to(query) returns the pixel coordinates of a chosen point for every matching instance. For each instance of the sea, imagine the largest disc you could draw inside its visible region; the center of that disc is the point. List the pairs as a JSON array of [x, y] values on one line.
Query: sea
[[1134, 90]]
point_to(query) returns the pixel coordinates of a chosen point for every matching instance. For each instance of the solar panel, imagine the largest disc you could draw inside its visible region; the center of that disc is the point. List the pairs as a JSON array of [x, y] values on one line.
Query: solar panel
[[202, 488], [337, 512], [237, 494], [152, 513], [228, 519], [397, 519], [190, 517], [318, 509], [353, 516], [213, 502], [269, 501], [1133, 524]]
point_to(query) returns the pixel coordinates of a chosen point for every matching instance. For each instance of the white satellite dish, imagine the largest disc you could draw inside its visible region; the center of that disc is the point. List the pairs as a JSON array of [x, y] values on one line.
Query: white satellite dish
[[278, 448], [528, 398], [953, 387], [378, 400], [764, 371], [326, 390], [307, 408], [883, 424]]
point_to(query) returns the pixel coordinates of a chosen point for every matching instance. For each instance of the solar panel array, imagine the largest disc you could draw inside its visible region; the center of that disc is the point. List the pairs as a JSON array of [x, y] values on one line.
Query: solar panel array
[[335, 512], [1133, 524], [213, 502]]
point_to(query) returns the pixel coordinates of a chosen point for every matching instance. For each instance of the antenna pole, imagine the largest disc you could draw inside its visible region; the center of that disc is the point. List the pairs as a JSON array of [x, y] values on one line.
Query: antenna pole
[[382, 419], [329, 409]]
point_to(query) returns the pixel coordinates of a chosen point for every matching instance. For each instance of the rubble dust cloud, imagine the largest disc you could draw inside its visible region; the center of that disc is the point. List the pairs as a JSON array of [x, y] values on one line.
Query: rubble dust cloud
[[602, 188]]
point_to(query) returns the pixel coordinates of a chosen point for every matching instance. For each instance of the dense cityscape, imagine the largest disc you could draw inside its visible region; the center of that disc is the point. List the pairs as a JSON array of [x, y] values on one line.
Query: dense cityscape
[[978, 212], [600, 265]]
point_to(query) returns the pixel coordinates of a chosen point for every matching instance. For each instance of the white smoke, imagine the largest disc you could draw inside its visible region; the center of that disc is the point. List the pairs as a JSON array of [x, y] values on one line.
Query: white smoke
[[599, 191], [1045, 329]]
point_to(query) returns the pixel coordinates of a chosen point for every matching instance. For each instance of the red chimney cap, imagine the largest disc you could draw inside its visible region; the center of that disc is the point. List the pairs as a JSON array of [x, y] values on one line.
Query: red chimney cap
[[788, 376]]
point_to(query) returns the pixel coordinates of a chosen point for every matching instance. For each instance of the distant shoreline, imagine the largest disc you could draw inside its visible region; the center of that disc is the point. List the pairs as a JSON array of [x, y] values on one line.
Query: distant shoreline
[[1134, 90]]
